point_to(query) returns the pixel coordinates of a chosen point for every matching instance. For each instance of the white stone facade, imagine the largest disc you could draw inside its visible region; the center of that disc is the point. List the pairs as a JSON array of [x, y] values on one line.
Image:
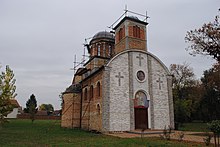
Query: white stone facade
[[121, 72]]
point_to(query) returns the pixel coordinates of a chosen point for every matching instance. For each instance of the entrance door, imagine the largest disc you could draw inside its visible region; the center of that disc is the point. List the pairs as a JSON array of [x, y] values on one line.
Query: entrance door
[[141, 118]]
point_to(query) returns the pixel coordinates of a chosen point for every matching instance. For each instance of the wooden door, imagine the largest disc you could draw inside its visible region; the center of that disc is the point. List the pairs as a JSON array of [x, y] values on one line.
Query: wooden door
[[141, 118]]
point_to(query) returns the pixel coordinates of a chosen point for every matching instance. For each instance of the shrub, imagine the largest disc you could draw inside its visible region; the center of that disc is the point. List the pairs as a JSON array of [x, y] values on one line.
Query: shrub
[[214, 126], [166, 133]]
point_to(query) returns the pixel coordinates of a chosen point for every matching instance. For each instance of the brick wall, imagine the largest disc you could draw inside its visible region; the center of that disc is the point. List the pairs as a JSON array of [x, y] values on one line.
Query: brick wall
[[38, 117], [91, 115], [71, 110]]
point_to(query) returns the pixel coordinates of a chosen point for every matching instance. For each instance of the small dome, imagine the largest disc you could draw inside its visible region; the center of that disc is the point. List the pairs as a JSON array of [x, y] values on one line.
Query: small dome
[[103, 34]]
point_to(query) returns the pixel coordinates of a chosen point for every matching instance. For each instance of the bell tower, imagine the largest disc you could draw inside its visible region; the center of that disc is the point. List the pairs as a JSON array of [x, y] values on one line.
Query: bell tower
[[130, 33]]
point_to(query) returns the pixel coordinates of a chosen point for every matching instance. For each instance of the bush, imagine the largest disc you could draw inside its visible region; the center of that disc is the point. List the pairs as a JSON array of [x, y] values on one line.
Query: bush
[[214, 126], [166, 133]]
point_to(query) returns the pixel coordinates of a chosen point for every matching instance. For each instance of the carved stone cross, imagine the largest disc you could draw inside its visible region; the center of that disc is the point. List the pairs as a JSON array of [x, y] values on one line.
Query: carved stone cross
[[119, 78], [140, 58], [159, 81]]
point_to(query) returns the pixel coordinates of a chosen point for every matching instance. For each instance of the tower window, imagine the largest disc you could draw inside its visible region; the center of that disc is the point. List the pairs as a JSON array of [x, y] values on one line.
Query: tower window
[[120, 34], [99, 50], [98, 89], [109, 50], [98, 109], [104, 50], [136, 31], [85, 94], [91, 92]]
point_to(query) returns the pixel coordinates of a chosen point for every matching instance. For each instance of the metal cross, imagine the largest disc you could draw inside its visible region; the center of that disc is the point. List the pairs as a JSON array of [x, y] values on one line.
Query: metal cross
[[159, 81], [140, 58], [119, 78]]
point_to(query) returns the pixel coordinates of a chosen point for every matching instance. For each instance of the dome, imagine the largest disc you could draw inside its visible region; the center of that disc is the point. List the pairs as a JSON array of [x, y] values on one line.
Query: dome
[[103, 35]]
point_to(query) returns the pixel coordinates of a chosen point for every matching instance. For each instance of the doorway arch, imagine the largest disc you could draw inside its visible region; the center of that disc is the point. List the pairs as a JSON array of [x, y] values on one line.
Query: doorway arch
[[141, 105]]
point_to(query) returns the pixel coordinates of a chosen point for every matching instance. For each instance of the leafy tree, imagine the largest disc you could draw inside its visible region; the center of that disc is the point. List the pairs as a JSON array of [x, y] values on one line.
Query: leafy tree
[[183, 110], [183, 77], [31, 107], [214, 126], [7, 91], [205, 40], [47, 107], [183, 83], [210, 103]]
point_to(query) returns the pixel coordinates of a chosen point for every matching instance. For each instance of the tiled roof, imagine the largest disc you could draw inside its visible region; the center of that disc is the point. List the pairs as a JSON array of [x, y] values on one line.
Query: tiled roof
[[15, 103]]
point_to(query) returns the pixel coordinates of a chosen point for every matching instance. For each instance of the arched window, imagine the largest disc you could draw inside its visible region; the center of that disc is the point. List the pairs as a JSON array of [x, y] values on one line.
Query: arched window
[[99, 50], [98, 89], [136, 31], [85, 94], [98, 109], [141, 100], [109, 50], [104, 50], [91, 92]]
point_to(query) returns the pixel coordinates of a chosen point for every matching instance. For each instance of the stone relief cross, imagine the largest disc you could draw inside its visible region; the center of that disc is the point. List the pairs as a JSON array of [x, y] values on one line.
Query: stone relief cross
[[140, 58], [119, 78], [159, 81]]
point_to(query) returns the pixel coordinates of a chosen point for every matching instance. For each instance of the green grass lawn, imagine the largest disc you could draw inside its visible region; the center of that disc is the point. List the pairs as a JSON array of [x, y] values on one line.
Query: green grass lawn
[[44, 133], [194, 127]]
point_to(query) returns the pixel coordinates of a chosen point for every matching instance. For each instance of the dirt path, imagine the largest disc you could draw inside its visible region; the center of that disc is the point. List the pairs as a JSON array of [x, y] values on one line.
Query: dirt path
[[188, 136]]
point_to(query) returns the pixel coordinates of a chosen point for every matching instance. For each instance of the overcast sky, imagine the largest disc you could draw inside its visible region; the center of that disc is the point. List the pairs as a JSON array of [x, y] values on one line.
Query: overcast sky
[[39, 38]]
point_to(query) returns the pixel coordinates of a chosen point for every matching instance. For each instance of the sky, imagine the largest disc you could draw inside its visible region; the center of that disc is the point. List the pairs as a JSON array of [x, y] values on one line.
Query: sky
[[39, 38]]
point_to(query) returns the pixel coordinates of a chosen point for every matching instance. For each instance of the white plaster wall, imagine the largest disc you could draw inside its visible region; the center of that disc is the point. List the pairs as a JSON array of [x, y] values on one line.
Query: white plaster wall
[[160, 96], [137, 84], [143, 85], [13, 114], [119, 119]]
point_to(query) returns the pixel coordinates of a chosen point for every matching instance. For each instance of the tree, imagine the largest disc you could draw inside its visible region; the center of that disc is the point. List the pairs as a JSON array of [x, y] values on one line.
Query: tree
[[205, 40], [183, 82], [211, 97], [7, 91], [183, 77], [214, 126], [47, 107], [31, 107]]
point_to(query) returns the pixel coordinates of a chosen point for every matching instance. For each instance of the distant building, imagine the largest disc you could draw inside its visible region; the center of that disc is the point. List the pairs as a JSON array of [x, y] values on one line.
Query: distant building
[[16, 110], [122, 87]]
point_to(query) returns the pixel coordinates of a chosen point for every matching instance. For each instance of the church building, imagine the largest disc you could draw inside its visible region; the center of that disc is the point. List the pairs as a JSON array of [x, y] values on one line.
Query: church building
[[122, 87]]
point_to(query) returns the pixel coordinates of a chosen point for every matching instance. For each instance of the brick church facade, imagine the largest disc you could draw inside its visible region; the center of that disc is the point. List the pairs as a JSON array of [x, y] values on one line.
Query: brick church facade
[[122, 87]]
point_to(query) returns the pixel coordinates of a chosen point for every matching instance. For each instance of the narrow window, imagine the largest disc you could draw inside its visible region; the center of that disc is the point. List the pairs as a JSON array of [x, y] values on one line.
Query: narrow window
[[98, 89], [109, 50], [91, 92], [85, 94], [99, 50], [98, 109], [120, 34], [136, 31], [104, 50]]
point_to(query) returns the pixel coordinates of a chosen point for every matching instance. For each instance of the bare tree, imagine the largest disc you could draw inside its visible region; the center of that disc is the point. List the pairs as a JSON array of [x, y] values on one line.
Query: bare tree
[[205, 40]]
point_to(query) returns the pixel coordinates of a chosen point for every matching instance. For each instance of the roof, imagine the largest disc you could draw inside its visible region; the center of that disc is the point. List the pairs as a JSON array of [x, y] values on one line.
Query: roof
[[81, 71], [103, 35], [15, 103], [74, 88], [132, 18]]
